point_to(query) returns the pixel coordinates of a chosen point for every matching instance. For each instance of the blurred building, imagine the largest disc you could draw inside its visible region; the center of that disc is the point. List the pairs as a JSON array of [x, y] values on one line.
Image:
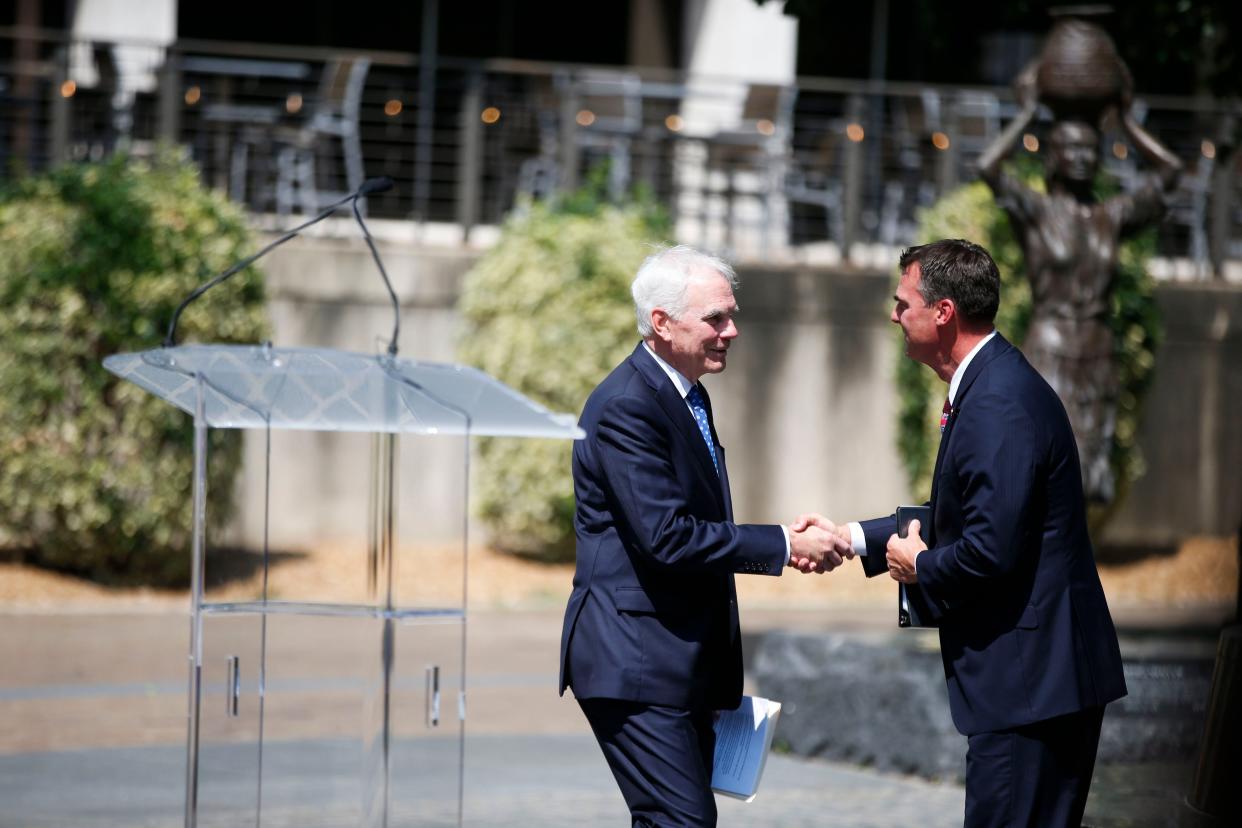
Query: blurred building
[[768, 128]]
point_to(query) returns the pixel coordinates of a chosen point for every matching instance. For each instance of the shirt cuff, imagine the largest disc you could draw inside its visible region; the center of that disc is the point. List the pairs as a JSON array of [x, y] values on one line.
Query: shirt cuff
[[785, 530], [858, 539]]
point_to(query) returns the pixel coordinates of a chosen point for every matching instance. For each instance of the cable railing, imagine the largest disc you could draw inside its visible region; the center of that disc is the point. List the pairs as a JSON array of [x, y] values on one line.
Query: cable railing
[[750, 169]]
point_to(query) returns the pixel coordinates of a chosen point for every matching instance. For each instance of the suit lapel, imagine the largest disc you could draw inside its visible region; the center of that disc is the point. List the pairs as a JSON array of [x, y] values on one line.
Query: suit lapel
[[678, 413], [724, 483], [986, 355], [723, 477]]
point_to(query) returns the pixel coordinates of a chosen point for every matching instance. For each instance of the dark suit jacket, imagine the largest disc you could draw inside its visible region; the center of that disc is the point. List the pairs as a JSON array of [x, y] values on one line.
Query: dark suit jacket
[[1027, 635], [653, 613]]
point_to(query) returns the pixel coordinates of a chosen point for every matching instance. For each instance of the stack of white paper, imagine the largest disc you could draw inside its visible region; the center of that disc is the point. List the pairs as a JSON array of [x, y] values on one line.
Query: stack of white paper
[[743, 739]]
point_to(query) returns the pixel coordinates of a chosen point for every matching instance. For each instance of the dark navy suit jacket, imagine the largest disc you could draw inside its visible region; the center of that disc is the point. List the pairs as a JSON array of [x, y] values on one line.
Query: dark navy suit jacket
[[1027, 635], [652, 616]]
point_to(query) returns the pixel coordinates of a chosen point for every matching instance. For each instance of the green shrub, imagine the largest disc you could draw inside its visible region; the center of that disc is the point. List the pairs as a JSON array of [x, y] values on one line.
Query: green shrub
[[970, 212], [96, 476], [548, 311]]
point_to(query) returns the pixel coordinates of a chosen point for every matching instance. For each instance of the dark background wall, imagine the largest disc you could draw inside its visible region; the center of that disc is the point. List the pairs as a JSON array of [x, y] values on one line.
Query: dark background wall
[[1172, 46]]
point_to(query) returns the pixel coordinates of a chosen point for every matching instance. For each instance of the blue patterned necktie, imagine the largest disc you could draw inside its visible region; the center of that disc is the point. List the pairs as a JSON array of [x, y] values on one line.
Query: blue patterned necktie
[[695, 399]]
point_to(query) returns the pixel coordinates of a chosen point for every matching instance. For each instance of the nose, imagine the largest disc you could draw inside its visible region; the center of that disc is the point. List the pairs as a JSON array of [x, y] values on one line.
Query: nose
[[730, 330], [893, 317]]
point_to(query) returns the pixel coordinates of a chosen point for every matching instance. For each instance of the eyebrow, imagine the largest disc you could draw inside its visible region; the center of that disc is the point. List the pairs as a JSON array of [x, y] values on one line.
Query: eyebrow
[[710, 312]]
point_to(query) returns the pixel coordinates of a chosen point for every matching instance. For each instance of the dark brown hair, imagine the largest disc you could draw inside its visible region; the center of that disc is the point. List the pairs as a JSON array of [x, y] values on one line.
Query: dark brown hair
[[959, 270]]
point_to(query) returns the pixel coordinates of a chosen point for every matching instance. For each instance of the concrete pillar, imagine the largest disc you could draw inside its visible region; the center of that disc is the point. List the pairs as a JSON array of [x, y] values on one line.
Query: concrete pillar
[[141, 30], [729, 45]]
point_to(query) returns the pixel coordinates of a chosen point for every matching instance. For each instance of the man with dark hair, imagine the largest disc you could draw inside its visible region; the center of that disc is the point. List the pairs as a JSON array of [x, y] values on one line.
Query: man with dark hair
[[1029, 648]]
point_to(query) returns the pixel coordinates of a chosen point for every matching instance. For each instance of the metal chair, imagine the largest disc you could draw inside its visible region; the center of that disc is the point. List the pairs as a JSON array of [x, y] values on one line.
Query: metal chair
[[1189, 209], [752, 156], [334, 115], [609, 117], [816, 176]]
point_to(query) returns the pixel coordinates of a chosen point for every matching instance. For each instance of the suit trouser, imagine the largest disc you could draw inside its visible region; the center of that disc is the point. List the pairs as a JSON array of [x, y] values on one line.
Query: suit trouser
[[1034, 775], [661, 758]]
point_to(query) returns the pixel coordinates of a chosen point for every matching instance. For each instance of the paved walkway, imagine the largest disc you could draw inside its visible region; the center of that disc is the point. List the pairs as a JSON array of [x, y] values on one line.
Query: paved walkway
[[92, 729], [514, 780]]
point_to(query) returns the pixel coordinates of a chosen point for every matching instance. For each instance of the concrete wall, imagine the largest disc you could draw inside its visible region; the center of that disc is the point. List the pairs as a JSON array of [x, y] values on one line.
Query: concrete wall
[[1191, 435], [805, 410]]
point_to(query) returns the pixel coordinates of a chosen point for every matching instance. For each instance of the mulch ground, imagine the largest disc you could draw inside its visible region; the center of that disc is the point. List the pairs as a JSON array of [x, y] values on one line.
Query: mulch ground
[[1202, 571]]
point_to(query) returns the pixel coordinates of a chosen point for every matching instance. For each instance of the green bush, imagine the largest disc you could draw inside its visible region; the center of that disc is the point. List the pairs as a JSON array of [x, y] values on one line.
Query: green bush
[[96, 476], [970, 212], [548, 311]]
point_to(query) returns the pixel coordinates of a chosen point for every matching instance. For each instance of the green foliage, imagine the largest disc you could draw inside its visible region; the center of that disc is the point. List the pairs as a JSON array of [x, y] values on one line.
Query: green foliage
[[970, 212], [548, 311], [96, 475]]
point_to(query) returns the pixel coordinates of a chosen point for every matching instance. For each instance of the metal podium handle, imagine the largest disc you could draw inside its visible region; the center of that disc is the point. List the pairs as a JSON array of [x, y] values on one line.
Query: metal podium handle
[[232, 690], [433, 695]]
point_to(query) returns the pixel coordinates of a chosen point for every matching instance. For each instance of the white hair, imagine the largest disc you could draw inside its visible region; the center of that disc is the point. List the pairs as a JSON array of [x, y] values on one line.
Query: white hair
[[662, 280]]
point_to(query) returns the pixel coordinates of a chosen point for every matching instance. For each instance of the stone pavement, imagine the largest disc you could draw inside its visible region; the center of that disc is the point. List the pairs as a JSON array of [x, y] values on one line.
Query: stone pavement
[[512, 780], [92, 729]]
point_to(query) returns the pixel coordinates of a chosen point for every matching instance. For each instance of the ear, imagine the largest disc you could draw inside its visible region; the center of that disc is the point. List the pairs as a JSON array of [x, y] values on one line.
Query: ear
[[946, 311], [660, 323]]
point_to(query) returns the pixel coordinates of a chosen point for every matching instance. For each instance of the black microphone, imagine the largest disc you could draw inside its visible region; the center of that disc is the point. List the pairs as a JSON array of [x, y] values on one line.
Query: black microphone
[[381, 184], [372, 185]]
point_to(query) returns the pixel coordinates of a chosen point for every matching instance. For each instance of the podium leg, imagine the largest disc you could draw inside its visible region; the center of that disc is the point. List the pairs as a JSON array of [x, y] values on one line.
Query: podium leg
[[196, 619]]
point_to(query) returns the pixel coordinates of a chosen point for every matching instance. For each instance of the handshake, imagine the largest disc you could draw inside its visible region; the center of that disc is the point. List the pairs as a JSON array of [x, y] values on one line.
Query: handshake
[[816, 544]]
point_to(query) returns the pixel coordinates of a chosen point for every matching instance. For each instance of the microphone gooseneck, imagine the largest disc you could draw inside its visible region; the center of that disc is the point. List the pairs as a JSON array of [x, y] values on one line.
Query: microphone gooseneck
[[392, 294], [372, 185]]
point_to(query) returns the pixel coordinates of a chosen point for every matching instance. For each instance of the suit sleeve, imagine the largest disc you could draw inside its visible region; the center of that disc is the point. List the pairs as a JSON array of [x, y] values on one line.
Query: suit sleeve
[[636, 459], [877, 532], [997, 472]]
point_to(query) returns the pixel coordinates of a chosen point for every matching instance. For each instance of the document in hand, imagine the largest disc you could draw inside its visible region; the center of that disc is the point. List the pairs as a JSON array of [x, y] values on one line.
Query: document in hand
[[743, 739]]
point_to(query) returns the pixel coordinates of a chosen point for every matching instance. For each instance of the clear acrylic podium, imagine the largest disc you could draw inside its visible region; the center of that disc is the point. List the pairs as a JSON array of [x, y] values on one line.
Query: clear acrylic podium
[[344, 705]]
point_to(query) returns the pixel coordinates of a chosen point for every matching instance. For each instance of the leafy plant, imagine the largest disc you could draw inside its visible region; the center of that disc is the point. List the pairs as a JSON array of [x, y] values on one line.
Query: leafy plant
[[96, 475], [548, 311], [970, 212]]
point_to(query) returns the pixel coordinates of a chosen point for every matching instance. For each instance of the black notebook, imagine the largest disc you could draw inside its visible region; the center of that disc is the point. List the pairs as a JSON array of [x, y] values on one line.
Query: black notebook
[[914, 607]]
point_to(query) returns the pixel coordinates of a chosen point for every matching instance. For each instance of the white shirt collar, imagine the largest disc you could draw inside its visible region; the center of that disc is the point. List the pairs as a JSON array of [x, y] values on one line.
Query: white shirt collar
[[682, 384], [961, 369]]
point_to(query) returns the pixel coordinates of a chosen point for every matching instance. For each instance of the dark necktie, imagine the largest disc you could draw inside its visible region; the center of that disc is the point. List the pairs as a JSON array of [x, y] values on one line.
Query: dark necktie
[[695, 400]]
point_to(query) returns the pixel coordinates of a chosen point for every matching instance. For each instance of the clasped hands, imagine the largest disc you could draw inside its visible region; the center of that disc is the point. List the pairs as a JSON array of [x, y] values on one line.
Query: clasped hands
[[816, 544]]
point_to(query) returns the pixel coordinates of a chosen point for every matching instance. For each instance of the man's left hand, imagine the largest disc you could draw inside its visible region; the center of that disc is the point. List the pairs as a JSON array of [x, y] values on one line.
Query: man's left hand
[[901, 555]]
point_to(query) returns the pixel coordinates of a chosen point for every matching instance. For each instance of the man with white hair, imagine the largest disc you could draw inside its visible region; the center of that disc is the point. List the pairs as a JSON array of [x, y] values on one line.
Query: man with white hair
[[651, 645]]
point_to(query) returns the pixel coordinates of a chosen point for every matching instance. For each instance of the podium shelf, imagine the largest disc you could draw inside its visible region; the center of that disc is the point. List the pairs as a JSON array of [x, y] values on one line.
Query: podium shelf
[[408, 615], [321, 389]]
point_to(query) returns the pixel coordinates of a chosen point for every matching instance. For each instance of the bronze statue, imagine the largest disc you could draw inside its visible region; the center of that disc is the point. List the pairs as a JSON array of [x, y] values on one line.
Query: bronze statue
[[1070, 239]]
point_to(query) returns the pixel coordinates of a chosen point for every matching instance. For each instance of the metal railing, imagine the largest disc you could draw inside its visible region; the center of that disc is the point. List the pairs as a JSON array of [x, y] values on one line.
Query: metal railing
[[745, 168]]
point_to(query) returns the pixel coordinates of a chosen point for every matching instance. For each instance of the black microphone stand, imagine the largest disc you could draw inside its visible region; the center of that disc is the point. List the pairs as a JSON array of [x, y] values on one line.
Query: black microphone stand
[[371, 185], [396, 308]]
